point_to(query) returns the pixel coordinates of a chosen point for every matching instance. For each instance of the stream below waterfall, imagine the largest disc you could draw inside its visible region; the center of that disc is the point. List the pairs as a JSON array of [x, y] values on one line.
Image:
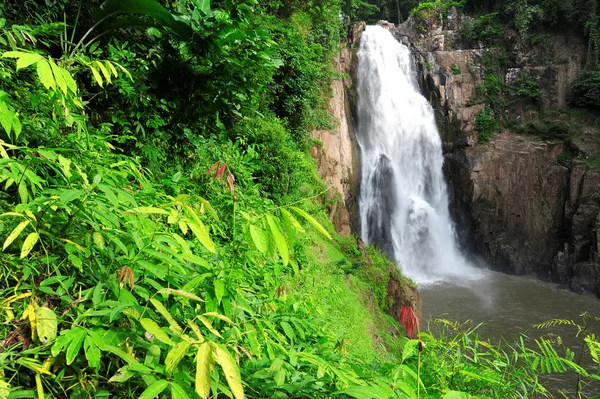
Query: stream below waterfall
[[510, 305], [404, 211]]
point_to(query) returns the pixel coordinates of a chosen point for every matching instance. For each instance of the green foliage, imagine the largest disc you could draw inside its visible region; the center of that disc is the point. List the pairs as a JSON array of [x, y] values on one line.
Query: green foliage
[[485, 125], [527, 87], [485, 28], [455, 69], [358, 10], [428, 8], [160, 219], [585, 90], [545, 129]]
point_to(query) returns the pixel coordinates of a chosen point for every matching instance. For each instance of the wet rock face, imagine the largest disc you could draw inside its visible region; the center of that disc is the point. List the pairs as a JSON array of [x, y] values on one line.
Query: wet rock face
[[517, 203], [512, 202]]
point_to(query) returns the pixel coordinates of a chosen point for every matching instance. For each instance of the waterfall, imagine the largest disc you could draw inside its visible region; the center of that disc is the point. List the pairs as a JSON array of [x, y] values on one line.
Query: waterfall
[[404, 200]]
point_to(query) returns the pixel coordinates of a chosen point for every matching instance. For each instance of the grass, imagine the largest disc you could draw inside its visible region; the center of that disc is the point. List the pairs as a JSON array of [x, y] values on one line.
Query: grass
[[351, 287]]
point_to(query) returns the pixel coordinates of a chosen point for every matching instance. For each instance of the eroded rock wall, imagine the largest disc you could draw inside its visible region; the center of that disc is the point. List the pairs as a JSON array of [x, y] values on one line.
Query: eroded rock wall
[[515, 202], [337, 153]]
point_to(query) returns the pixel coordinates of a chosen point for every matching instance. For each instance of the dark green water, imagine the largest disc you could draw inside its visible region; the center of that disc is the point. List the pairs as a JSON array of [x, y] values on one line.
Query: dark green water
[[509, 305]]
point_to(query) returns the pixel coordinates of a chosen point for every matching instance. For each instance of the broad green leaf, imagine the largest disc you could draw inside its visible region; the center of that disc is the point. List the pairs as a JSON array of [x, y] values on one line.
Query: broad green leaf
[[92, 353], [61, 83], [203, 6], [15, 233], [154, 390], [196, 330], [29, 243], [219, 289], [230, 369], [96, 75], [259, 238], [195, 260], [279, 239], [202, 235], [152, 356], [77, 336], [289, 331], [148, 210], [23, 59], [177, 392], [46, 324], [45, 74], [154, 329], [204, 365], [147, 7], [70, 195], [182, 243], [291, 220], [6, 117], [17, 127], [165, 313], [122, 374], [175, 355], [71, 84], [120, 353], [410, 349], [122, 68], [311, 220]]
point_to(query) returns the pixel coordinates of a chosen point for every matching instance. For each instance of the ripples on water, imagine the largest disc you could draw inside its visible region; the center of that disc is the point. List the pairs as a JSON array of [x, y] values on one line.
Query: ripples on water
[[509, 306]]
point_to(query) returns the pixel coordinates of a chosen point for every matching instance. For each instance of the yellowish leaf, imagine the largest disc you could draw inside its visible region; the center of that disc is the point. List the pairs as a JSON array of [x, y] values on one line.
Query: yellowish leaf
[[204, 365], [208, 324], [154, 329], [230, 369], [175, 355], [96, 76], [15, 233], [165, 313], [29, 243], [46, 324]]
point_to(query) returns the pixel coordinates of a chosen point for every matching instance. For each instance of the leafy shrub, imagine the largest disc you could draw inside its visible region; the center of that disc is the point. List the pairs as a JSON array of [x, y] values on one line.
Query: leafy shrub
[[455, 69], [527, 87], [544, 129], [585, 90], [485, 125], [485, 28]]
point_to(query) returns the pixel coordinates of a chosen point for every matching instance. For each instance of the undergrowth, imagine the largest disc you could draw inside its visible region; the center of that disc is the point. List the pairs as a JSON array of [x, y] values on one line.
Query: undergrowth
[[162, 222]]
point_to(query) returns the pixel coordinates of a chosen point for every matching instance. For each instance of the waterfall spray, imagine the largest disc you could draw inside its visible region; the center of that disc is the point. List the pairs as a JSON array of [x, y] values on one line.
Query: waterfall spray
[[404, 199]]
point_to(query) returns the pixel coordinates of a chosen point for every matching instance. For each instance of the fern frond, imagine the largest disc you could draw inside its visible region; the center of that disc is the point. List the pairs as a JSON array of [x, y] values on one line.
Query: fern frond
[[555, 322]]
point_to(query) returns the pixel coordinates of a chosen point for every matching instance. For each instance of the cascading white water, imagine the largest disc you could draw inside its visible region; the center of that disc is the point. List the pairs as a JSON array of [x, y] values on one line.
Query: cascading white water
[[404, 200]]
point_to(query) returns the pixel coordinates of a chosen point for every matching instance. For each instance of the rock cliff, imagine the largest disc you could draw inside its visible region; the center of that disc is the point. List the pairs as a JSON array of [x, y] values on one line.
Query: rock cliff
[[515, 199], [336, 151]]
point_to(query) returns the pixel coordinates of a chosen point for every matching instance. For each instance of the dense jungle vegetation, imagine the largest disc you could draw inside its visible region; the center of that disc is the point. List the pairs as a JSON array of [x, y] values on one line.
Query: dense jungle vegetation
[[163, 225]]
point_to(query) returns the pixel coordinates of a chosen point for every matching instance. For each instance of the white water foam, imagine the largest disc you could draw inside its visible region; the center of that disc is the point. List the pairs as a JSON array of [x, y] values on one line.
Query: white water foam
[[404, 199]]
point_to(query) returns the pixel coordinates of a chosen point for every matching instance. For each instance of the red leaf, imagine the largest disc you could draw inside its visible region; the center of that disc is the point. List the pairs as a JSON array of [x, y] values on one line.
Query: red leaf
[[230, 180], [408, 320], [213, 166], [221, 172]]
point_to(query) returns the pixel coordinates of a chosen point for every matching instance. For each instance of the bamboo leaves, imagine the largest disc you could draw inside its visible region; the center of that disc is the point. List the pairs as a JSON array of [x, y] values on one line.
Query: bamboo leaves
[[279, 239], [272, 234]]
